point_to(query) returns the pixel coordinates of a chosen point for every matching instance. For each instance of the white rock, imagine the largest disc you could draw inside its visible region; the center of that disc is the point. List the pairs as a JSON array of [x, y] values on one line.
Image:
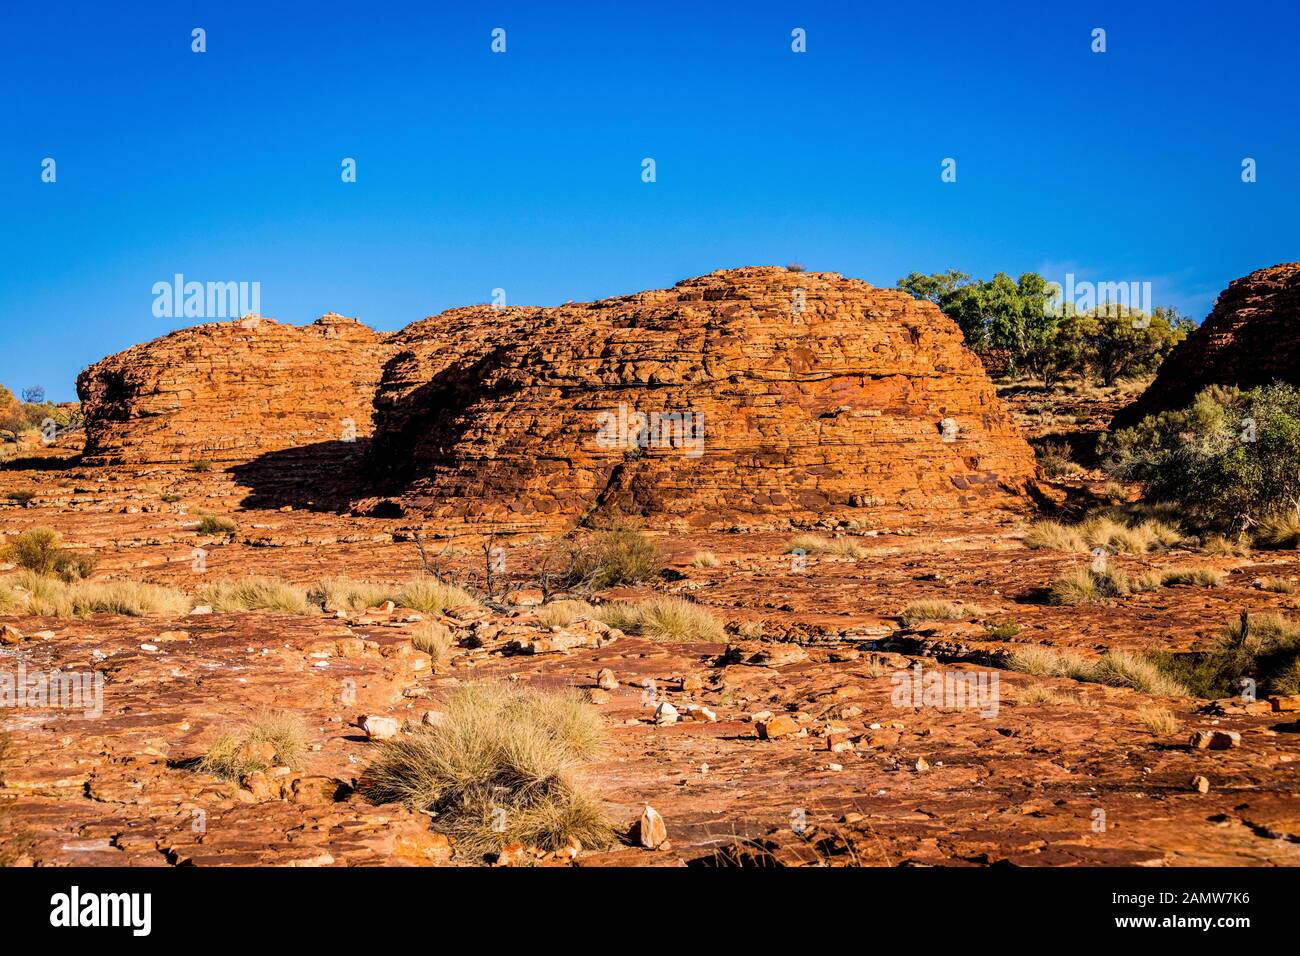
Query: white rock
[[380, 728], [666, 713]]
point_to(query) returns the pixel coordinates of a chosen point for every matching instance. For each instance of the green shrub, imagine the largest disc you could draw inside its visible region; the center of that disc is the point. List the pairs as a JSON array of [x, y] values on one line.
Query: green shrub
[[211, 524], [1228, 460], [606, 559], [41, 551]]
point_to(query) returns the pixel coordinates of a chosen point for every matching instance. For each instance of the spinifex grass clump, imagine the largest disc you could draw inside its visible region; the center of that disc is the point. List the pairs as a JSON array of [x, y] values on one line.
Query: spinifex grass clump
[[1114, 668], [667, 619], [817, 545], [233, 754], [503, 766], [255, 594]]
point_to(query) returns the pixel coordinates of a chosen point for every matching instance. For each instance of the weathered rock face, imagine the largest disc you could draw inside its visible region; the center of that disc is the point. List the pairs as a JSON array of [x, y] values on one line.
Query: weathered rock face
[[229, 391], [746, 392], [1252, 337]]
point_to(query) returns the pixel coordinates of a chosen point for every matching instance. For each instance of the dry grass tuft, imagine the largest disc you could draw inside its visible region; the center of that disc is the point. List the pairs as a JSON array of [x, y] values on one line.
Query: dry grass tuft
[[286, 732], [432, 596], [936, 610], [1042, 694], [705, 559], [343, 594], [255, 594], [565, 612], [434, 639], [667, 619], [817, 545], [502, 767], [1280, 532], [1159, 720], [1114, 669], [1197, 577], [1086, 586], [37, 594]]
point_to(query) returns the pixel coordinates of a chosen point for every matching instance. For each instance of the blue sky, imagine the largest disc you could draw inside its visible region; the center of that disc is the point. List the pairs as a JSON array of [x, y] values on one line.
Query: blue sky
[[523, 170]]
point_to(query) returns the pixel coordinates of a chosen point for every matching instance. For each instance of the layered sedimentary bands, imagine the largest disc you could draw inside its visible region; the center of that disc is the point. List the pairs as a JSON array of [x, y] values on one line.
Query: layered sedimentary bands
[[747, 392], [229, 391], [1249, 339]]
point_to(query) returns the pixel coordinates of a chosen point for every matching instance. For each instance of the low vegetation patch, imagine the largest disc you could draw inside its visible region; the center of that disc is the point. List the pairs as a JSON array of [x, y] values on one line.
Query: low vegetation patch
[[41, 551], [668, 619], [564, 612], [1278, 585], [235, 754], [434, 639], [606, 559], [1089, 586], [704, 559], [817, 545], [255, 594], [934, 610], [212, 524], [342, 594], [52, 597], [433, 596], [1114, 669], [1001, 630], [1264, 648], [1104, 530], [503, 766]]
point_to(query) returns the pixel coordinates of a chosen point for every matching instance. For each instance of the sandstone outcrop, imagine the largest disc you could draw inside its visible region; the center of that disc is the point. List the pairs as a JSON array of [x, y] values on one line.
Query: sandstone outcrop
[[1249, 339], [229, 391], [754, 391]]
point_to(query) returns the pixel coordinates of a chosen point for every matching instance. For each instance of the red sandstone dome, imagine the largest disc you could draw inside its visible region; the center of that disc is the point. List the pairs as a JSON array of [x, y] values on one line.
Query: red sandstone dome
[[754, 391], [1249, 339], [229, 391]]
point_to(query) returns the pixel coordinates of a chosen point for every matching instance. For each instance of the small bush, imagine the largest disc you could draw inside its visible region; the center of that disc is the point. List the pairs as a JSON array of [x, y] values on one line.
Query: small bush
[[286, 732], [36, 550], [1265, 647], [704, 559], [23, 498], [1221, 546], [1002, 630], [211, 524], [1055, 461], [509, 756], [667, 619], [202, 465], [610, 558], [255, 594], [1278, 585], [1228, 459]]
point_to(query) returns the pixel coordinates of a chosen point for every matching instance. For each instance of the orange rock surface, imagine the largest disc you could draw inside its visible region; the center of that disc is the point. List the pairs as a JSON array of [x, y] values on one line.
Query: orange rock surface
[[1249, 339], [229, 391], [754, 391]]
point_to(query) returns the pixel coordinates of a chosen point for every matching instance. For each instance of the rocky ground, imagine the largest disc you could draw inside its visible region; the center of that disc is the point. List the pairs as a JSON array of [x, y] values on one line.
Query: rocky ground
[[809, 759]]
